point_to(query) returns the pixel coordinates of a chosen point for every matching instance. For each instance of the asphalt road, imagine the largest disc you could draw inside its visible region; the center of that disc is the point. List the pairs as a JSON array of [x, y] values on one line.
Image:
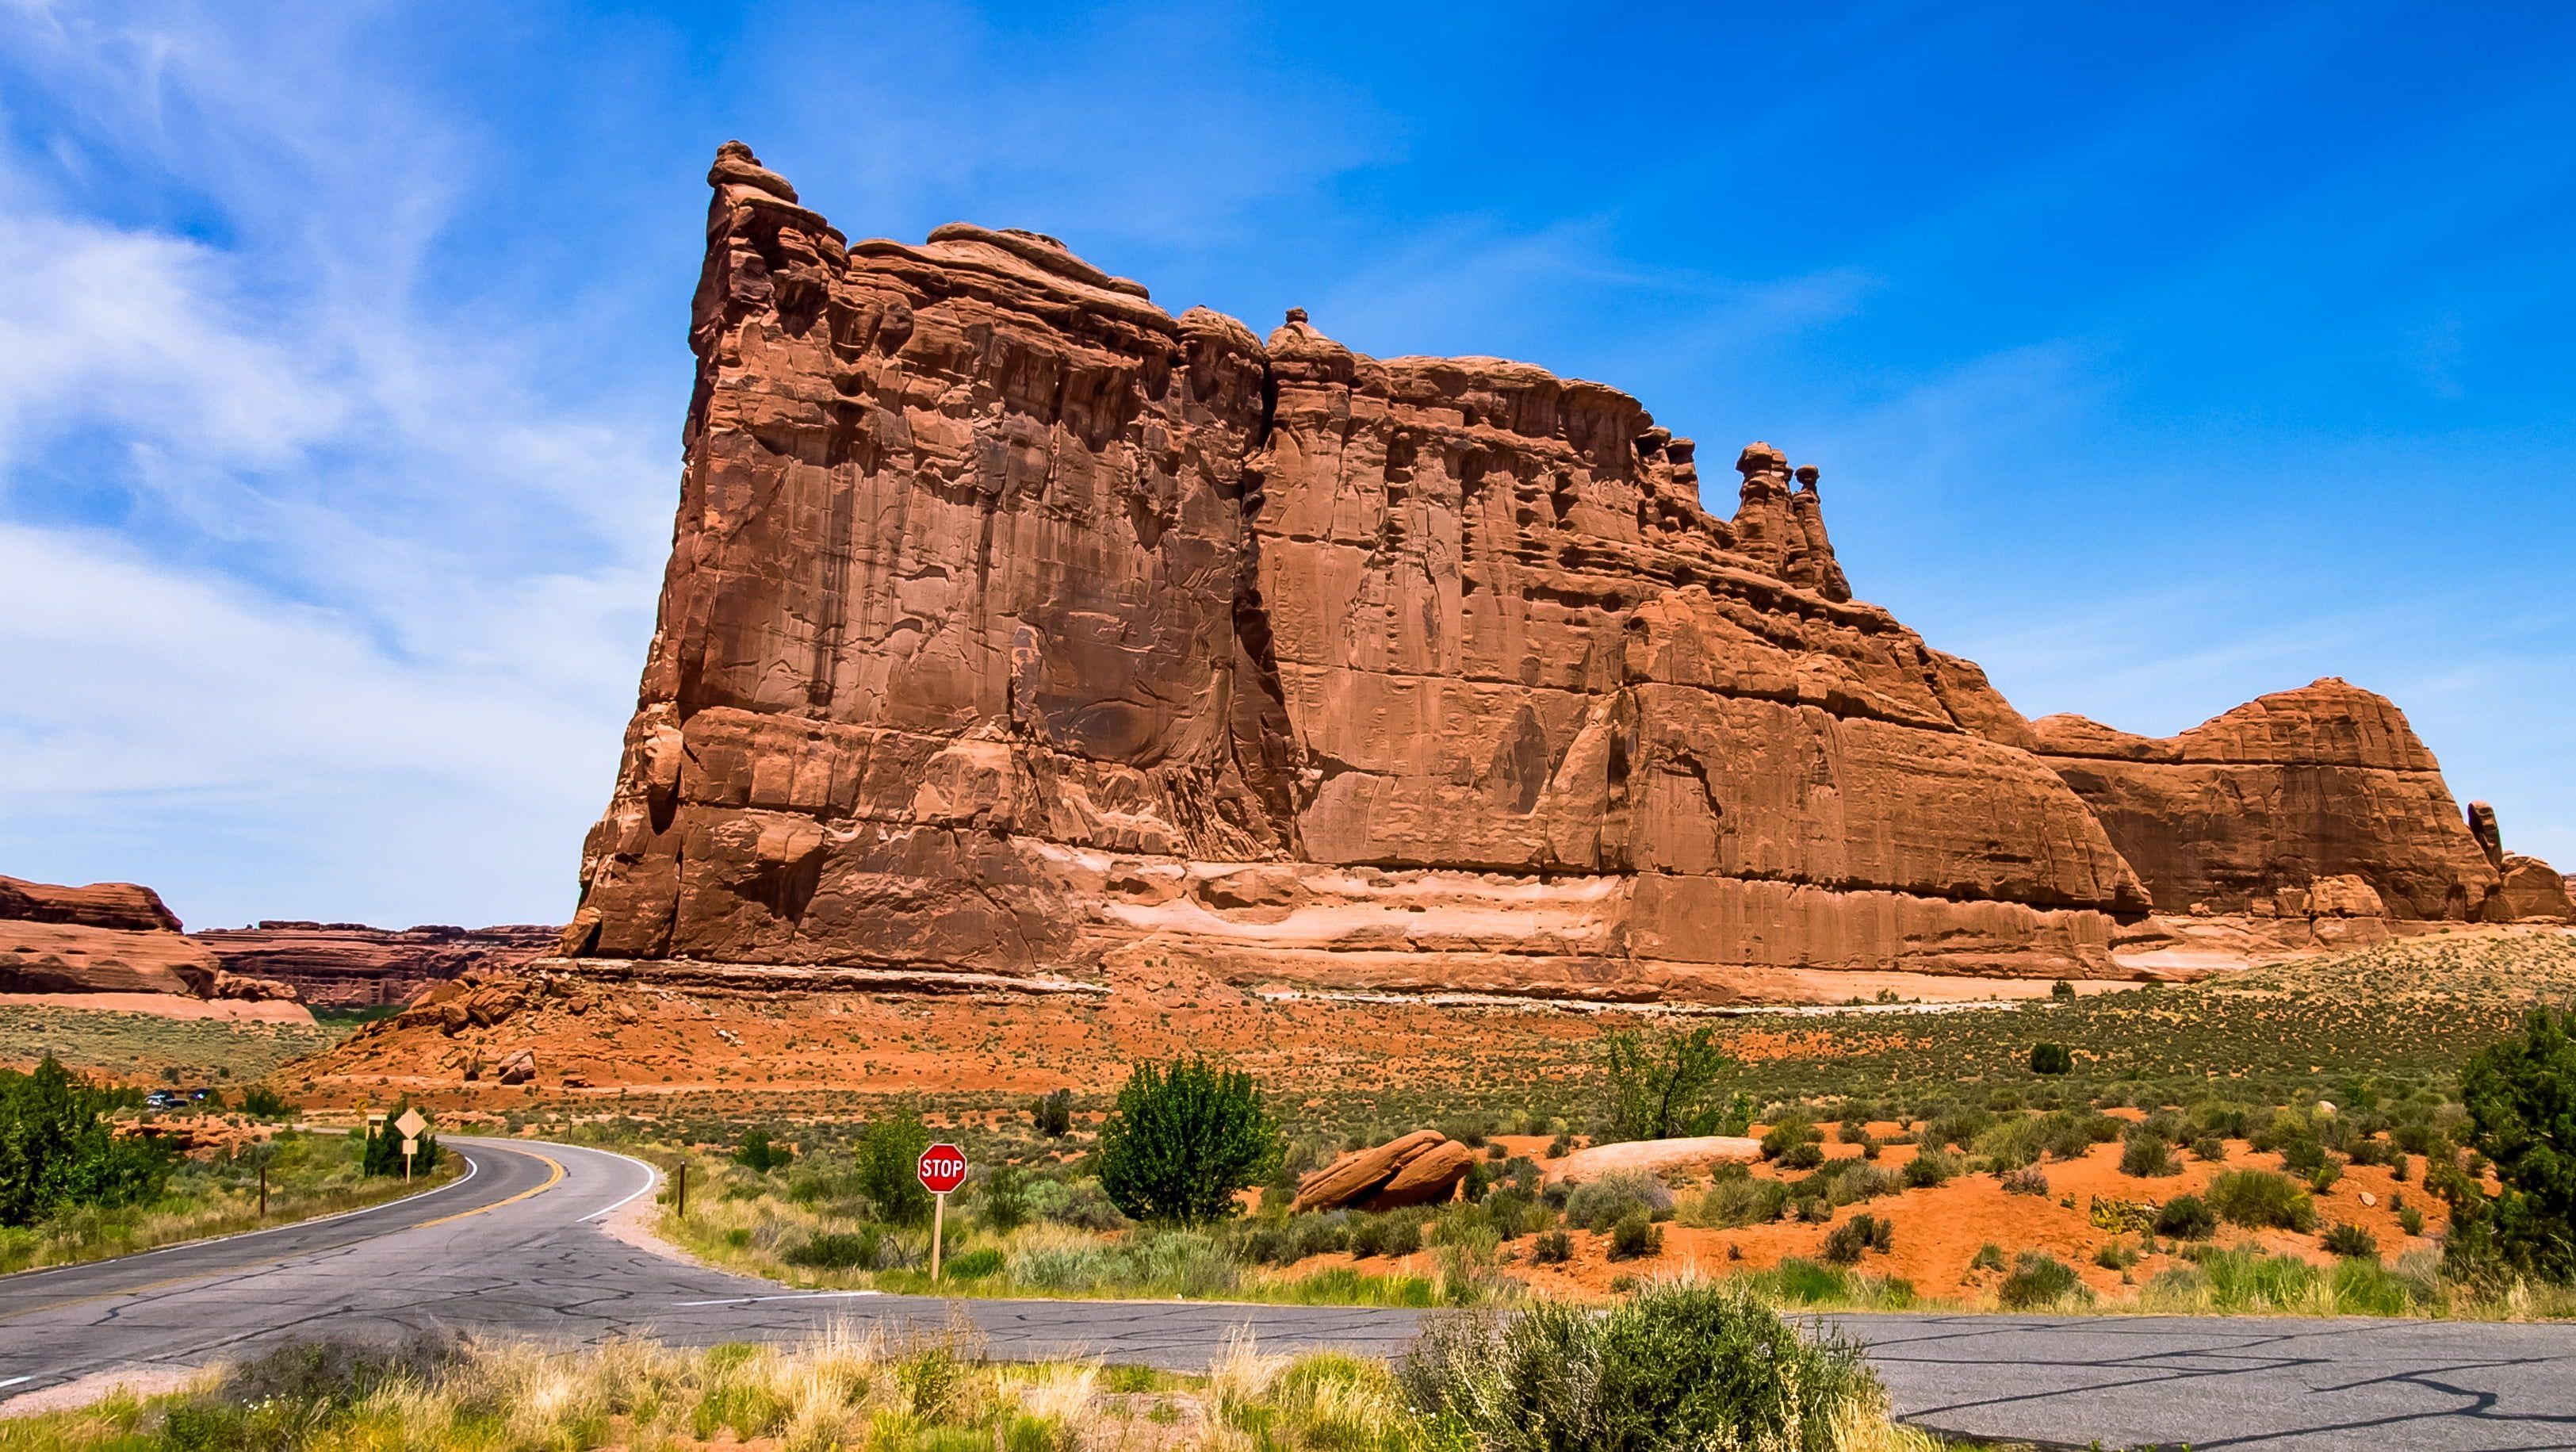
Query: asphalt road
[[516, 1249]]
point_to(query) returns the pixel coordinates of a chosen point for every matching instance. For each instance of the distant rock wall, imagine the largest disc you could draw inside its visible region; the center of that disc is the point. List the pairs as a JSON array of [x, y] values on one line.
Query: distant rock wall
[[110, 938], [1013, 623], [351, 965]]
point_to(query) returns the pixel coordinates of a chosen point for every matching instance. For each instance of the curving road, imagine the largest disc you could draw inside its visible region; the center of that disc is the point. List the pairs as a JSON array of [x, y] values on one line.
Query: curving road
[[515, 1248]]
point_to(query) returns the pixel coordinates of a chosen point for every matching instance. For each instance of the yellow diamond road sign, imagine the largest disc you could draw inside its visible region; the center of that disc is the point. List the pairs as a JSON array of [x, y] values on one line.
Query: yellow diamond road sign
[[411, 1124]]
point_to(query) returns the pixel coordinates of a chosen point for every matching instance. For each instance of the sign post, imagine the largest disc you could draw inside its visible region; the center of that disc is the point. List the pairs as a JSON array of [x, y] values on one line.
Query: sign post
[[411, 1124], [942, 1169]]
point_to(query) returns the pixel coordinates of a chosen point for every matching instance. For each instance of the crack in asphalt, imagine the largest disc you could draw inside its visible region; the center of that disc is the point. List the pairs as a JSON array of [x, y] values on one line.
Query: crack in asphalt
[[485, 1260]]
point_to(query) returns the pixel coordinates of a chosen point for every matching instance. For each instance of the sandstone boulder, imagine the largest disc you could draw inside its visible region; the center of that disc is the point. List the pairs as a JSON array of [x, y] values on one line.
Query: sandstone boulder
[[1416, 1169], [519, 1067], [1653, 1156], [2533, 892]]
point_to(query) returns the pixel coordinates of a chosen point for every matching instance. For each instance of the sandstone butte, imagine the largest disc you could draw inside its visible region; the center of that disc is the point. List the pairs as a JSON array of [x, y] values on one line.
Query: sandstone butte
[[116, 944], [1014, 627], [351, 965]]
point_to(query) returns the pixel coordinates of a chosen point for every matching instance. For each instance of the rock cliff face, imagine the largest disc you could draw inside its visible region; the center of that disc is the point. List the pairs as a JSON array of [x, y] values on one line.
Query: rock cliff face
[[351, 965], [2249, 812], [1012, 623]]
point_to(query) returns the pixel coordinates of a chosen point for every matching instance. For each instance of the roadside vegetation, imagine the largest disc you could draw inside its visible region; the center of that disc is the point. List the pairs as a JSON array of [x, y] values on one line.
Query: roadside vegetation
[[78, 1181], [1681, 1365]]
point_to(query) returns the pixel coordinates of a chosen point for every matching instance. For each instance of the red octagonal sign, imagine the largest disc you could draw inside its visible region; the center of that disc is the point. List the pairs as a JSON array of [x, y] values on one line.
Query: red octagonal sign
[[942, 1168]]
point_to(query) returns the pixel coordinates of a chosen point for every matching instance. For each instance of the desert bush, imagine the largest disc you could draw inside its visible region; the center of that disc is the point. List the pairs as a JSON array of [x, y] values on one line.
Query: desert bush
[[2041, 1281], [2062, 991], [1395, 1232], [2260, 1199], [837, 1250], [1005, 1198], [2186, 1217], [2011, 1143], [1989, 1257], [2115, 1254], [1635, 1237], [1803, 1156], [1931, 1167], [1862, 1232], [379, 1147], [1553, 1247], [1147, 1261], [56, 1150], [760, 1154], [2148, 1157], [2050, 1058], [1663, 1084], [1052, 1113], [261, 1102], [1684, 1364], [2520, 1097], [2209, 1149], [887, 1162], [1790, 1132], [2029, 1180], [2347, 1241], [1599, 1204], [1731, 1204], [2410, 1220], [1184, 1138], [1850, 1182]]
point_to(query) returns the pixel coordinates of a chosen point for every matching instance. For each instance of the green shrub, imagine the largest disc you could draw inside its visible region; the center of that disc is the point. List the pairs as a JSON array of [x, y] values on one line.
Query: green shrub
[[1731, 1204], [1789, 1133], [2115, 1254], [2062, 991], [1395, 1232], [1862, 1232], [1184, 1138], [1682, 1365], [2521, 1100], [760, 1155], [1052, 1113], [261, 1102], [380, 1146], [2039, 1281], [1803, 1156], [1006, 1198], [2349, 1241], [2260, 1199], [838, 1250], [1599, 1204], [1664, 1084], [2186, 1217], [889, 1166], [1635, 1237], [2148, 1157], [2049, 1058], [1931, 1167], [1553, 1247], [975, 1265], [1989, 1257], [56, 1151], [2209, 1149], [2410, 1220]]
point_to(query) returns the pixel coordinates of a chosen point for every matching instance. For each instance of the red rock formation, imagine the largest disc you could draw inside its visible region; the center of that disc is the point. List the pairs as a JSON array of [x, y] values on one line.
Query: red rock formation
[[1421, 1168], [2532, 890], [125, 906], [2250, 811], [351, 965], [1011, 621], [109, 937]]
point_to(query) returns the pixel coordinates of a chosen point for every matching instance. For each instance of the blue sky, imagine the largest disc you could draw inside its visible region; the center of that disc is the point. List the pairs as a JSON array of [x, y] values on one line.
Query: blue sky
[[2155, 357]]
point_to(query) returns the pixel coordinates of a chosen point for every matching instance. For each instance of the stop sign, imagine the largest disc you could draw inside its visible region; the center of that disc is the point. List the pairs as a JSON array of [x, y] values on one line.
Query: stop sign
[[942, 1168]]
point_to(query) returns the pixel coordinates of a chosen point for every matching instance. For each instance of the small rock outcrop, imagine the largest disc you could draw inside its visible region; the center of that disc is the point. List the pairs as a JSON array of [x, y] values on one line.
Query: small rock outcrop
[[1421, 1168]]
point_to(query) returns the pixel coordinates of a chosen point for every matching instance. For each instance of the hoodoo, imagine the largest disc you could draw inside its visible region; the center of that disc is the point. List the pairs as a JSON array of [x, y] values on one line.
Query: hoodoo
[[1012, 622]]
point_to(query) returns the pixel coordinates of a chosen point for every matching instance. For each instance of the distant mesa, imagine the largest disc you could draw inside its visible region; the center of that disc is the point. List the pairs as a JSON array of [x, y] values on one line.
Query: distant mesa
[[117, 945], [351, 965], [1014, 625]]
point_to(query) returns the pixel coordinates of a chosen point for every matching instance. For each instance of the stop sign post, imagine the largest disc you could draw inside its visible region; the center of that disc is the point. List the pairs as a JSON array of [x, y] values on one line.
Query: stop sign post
[[942, 1168]]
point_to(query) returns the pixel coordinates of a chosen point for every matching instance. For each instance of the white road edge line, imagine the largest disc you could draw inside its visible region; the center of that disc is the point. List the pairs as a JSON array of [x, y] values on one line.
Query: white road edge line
[[14, 1380], [798, 1296], [473, 1167], [652, 1177]]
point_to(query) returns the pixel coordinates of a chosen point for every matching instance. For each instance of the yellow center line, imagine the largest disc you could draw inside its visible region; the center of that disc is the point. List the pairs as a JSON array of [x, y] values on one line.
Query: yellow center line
[[551, 1181]]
